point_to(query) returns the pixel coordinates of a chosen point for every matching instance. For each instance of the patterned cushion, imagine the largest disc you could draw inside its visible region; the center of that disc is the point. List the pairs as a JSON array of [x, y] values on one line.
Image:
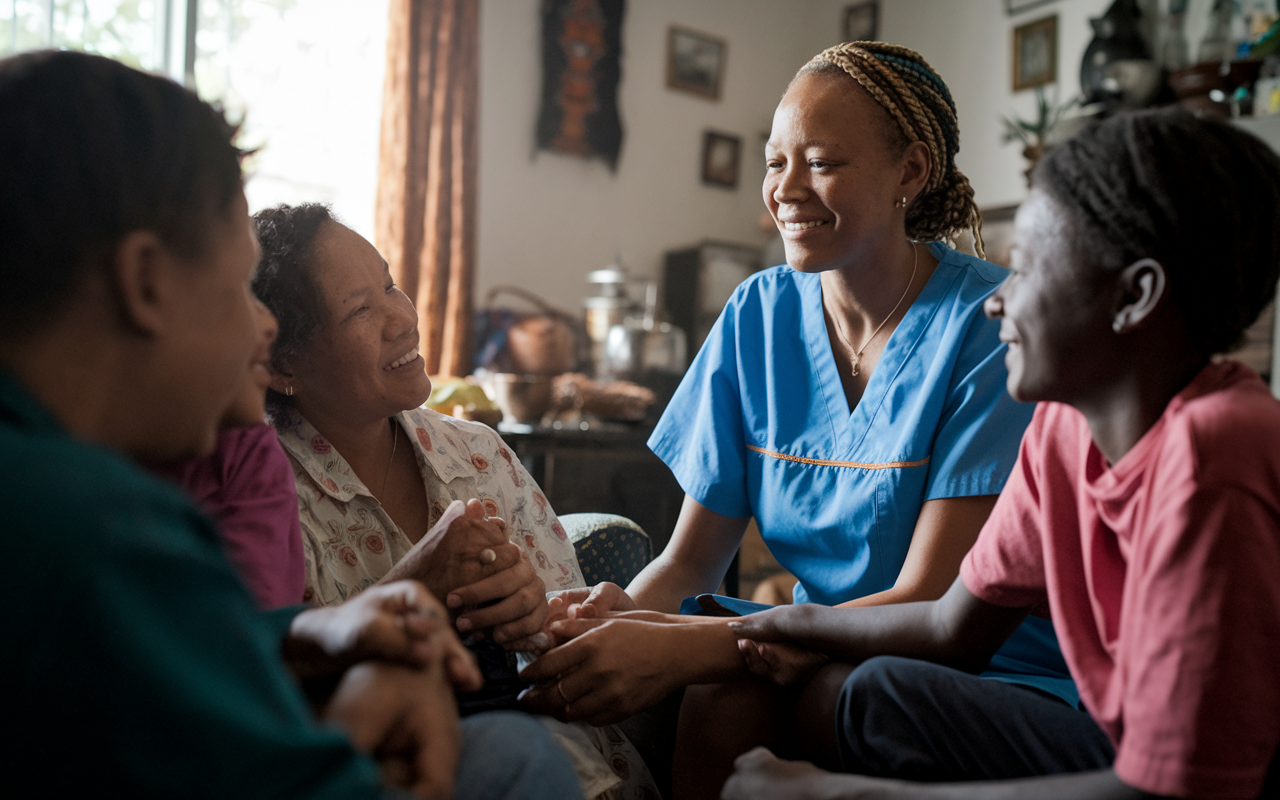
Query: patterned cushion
[[609, 547]]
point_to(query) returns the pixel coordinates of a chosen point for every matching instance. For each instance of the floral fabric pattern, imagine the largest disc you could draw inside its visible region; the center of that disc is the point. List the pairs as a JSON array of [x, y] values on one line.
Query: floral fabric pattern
[[350, 542]]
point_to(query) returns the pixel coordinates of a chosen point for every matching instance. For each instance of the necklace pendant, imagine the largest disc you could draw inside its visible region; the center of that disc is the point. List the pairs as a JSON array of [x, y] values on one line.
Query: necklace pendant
[[856, 372]]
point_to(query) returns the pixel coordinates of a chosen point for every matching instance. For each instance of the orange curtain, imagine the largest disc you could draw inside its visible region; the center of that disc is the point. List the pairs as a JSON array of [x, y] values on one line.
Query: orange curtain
[[426, 205]]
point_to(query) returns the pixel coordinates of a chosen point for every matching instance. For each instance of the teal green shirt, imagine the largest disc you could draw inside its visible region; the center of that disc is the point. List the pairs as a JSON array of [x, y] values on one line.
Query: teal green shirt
[[135, 662]]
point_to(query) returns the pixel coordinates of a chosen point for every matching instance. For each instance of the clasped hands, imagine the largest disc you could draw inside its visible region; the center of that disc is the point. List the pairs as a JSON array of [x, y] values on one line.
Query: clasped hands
[[486, 580], [390, 661], [393, 664], [611, 660]]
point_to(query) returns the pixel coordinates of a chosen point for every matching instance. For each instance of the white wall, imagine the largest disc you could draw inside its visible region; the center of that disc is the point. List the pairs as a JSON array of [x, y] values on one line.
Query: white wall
[[546, 219], [970, 44]]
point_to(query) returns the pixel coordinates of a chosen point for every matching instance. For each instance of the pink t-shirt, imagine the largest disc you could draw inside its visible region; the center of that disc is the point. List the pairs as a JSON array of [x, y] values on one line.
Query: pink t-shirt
[[247, 487], [1163, 576]]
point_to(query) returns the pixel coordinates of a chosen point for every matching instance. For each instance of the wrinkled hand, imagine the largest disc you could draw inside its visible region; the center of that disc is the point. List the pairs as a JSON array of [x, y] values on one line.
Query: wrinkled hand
[[459, 550], [607, 670], [759, 773], [406, 719], [783, 664], [397, 622], [469, 561]]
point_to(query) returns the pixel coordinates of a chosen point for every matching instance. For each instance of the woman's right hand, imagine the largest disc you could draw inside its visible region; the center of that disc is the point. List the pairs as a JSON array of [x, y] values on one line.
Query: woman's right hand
[[472, 562]]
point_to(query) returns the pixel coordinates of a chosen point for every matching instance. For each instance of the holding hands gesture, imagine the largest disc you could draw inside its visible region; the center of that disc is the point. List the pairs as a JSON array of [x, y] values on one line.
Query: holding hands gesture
[[486, 580]]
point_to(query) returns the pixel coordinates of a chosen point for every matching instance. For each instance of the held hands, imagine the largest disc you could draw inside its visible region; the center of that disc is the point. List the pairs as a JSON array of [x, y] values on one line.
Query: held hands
[[610, 669], [398, 622], [763, 641], [467, 559]]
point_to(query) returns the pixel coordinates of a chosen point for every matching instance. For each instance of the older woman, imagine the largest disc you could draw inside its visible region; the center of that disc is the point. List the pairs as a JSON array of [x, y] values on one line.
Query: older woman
[[852, 401], [375, 471]]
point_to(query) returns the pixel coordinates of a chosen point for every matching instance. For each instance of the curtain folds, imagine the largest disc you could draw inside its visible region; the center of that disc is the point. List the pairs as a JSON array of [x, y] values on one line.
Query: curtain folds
[[426, 204]]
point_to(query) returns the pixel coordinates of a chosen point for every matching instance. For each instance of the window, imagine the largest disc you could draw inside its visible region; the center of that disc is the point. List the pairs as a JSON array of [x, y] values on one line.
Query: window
[[304, 75]]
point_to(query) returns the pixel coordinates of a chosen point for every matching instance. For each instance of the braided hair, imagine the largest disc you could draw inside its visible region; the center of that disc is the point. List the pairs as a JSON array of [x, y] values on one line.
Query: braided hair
[[921, 109], [1197, 195]]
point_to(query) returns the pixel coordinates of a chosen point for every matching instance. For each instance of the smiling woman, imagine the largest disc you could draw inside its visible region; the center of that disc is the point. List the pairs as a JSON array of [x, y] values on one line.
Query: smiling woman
[[375, 471], [851, 401]]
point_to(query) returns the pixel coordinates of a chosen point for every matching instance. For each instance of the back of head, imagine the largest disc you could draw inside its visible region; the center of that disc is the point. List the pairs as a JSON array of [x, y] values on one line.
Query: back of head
[[91, 150], [1198, 195], [920, 108]]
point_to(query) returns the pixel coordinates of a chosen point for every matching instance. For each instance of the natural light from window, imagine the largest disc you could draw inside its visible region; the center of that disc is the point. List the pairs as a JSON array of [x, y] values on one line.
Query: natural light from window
[[305, 75]]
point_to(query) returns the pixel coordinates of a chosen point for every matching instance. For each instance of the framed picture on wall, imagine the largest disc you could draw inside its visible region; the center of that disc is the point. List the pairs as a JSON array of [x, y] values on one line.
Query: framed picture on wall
[[695, 62], [1015, 7], [1035, 53], [862, 22], [720, 157]]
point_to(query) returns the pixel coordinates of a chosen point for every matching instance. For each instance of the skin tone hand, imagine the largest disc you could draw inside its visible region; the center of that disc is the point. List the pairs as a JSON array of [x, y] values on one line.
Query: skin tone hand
[[406, 719], [472, 564], [397, 622], [759, 773], [783, 664], [613, 667]]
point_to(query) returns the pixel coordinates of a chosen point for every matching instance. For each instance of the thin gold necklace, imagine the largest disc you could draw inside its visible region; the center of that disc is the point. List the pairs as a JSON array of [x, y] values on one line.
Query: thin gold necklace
[[395, 439], [857, 354]]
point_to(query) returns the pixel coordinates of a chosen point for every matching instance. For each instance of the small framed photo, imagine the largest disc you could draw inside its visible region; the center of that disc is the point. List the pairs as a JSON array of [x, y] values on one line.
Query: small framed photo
[[862, 21], [1015, 7], [720, 156], [1035, 53], [695, 62]]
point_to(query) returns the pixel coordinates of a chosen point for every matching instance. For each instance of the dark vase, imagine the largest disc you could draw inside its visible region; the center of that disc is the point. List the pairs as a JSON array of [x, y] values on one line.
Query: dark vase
[[1117, 36]]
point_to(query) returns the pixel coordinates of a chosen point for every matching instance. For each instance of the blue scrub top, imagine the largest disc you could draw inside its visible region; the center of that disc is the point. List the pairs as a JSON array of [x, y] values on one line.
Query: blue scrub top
[[760, 426]]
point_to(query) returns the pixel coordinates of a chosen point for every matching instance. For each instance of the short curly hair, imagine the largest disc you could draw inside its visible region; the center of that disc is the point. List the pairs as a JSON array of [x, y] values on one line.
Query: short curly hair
[[1198, 195], [285, 280]]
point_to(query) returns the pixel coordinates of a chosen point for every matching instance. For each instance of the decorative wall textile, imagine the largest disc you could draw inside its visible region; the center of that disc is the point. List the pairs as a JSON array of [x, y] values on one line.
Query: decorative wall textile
[[426, 205], [581, 67]]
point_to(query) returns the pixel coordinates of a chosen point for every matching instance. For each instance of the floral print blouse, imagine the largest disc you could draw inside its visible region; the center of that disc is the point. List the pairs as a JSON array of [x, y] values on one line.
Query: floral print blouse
[[349, 541]]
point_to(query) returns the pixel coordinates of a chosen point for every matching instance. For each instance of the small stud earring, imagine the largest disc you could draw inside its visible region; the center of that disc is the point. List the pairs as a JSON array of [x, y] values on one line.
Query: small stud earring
[[289, 390], [1118, 324]]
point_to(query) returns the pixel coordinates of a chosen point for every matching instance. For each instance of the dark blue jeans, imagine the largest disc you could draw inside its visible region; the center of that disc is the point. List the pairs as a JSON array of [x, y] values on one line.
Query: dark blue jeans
[[913, 720]]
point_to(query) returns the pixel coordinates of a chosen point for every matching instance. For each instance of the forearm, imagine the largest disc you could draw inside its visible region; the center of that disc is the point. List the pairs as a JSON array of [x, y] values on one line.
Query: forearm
[[957, 630], [666, 582], [1099, 785], [854, 635]]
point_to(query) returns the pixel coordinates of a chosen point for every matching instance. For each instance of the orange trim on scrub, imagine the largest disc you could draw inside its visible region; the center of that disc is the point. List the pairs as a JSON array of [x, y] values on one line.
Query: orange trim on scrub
[[855, 464]]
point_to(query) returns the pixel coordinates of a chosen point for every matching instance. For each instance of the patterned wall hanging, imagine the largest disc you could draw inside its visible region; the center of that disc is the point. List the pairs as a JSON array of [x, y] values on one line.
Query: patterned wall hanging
[[581, 67]]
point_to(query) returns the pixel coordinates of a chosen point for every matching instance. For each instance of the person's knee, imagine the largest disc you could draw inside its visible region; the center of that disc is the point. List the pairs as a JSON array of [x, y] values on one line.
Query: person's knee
[[506, 754], [873, 704]]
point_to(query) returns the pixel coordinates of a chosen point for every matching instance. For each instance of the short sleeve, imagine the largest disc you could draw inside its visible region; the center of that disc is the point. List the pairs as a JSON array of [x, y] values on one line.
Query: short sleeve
[[977, 438], [700, 435], [1202, 677], [1006, 565]]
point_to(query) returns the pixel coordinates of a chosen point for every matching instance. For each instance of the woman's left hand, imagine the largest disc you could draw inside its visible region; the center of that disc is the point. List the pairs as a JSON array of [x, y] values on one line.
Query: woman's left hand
[[609, 670]]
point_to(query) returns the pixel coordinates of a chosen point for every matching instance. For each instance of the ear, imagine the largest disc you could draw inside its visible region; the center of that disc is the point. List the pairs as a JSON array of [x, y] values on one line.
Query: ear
[[1142, 285], [917, 165], [281, 382], [141, 271]]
